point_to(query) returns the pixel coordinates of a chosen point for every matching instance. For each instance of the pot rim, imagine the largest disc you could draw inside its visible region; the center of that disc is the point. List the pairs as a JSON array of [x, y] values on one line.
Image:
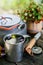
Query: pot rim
[[14, 34]]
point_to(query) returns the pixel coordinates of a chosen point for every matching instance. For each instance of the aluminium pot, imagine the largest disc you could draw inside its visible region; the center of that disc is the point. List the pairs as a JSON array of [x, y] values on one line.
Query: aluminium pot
[[14, 51], [11, 24]]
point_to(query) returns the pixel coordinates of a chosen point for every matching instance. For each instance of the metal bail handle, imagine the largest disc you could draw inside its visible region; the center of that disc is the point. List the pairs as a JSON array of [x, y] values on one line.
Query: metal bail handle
[[10, 28]]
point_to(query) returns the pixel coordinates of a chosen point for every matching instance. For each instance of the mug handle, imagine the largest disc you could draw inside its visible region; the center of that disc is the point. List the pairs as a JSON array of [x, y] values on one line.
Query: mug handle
[[26, 40]]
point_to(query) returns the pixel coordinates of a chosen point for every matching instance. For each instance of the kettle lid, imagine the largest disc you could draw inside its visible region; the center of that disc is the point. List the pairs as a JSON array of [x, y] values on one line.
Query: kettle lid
[[9, 20]]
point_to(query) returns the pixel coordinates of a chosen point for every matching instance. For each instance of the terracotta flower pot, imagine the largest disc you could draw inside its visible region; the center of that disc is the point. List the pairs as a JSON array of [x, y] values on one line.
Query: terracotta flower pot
[[33, 27], [42, 22]]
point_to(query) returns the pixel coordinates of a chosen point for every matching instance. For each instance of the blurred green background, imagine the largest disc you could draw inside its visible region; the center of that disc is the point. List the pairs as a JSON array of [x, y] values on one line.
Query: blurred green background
[[16, 4]]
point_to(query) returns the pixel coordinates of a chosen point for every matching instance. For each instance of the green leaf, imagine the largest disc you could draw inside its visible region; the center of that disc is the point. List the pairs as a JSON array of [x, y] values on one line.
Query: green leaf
[[39, 17]]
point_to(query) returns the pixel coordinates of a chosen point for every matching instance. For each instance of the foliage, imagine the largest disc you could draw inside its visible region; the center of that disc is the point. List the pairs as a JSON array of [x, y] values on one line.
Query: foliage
[[33, 13]]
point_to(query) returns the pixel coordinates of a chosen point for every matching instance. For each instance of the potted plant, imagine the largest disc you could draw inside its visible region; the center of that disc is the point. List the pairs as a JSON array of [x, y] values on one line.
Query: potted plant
[[42, 16], [32, 15]]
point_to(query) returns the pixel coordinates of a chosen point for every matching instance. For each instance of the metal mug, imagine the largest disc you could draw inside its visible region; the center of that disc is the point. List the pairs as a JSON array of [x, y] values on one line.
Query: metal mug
[[14, 52]]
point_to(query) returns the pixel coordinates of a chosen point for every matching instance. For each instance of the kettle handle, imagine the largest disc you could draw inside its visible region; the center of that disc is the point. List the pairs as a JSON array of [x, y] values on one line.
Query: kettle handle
[[10, 28]]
